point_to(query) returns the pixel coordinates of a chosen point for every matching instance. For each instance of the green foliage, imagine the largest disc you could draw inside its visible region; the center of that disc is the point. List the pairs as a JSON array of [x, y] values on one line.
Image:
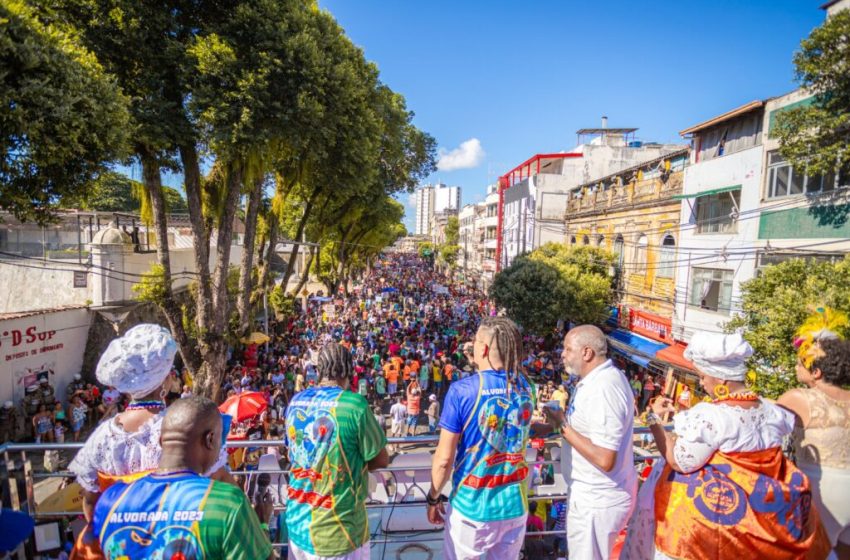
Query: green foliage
[[282, 303], [816, 136], [151, 286], [425, 249], [114, 192], [452, 230], [556, 282], [62, 118], [775, 304]]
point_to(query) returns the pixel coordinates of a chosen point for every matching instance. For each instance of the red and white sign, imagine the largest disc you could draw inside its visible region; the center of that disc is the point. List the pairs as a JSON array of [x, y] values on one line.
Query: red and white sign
[[651, 325], [52, 341]]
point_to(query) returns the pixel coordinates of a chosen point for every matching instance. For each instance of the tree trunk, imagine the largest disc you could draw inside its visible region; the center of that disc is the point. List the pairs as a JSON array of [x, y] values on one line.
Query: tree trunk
[[265, 271], [247, 265], [295, 247], [152, 178], [305, 274]]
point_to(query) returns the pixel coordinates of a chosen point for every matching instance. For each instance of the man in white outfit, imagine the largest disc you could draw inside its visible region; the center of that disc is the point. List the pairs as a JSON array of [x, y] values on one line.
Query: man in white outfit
[[598, 427]]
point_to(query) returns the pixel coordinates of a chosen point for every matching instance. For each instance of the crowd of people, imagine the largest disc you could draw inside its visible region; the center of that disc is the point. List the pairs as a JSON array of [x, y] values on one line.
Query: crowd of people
[[409, 353]]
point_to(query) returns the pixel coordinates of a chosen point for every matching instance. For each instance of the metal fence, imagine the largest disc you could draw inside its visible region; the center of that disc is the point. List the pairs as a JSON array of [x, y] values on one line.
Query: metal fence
[[18, 478]]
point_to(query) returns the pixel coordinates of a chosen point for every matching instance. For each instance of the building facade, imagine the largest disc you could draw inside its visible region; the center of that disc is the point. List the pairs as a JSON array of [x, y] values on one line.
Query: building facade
[[424, 203]]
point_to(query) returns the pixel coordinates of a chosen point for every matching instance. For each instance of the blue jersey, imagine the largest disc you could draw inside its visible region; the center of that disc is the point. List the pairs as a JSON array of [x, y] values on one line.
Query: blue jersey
[[490, 468]]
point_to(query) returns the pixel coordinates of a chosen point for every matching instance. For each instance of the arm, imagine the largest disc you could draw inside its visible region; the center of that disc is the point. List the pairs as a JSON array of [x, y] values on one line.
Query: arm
[[89, 501], [441, 467], [380, 461], [795, 401]]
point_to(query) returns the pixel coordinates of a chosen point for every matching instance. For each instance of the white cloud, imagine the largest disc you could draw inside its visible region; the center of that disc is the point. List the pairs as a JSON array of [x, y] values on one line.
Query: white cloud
[[466, 156]]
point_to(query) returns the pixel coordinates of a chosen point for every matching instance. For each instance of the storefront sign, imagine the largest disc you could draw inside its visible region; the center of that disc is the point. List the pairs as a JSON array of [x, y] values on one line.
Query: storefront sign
[[651, 326]]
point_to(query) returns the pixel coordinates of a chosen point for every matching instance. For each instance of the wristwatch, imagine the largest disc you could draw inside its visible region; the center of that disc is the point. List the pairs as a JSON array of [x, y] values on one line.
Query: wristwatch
[[433, 501], [653, 419]]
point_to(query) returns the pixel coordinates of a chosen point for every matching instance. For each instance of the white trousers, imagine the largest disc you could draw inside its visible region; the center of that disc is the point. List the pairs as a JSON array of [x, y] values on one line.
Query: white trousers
[[591, 531], [466, 539], [361, 553]]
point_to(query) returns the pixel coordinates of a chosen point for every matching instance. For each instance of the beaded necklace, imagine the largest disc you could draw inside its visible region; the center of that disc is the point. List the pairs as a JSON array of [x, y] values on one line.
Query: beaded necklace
[[145, 405], [746, 396]]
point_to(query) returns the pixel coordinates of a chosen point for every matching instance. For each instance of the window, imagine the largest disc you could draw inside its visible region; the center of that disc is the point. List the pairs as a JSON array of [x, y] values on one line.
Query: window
[[784, 180], [573, 240], [667, 258], [718, 213], [711, 289], [600, 241], [640, 254], [773, 257], [618, 247], [585, 240]]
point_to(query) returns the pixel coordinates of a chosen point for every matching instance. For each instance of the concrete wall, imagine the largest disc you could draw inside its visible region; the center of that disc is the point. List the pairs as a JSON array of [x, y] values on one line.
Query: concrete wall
[[28, 284], [52, 341]]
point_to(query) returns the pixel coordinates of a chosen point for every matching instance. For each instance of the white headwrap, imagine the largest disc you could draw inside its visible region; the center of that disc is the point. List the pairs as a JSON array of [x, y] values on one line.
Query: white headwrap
[[138, 362], [723, 356]]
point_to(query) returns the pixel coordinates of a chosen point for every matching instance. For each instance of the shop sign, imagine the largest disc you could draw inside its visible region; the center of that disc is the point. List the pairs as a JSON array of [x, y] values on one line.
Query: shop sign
[[651, 326]]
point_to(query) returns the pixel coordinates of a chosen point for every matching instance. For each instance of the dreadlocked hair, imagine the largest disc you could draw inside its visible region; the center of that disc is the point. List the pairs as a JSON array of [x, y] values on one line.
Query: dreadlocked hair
[[505, 336], [335, 362]]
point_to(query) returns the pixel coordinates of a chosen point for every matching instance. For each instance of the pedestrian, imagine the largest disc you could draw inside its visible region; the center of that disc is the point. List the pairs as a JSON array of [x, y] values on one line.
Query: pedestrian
[[599, 429], [485, 429], [398, 417], [433, 414], [414, 399], [78, 415], [333, 439], [184, 514]]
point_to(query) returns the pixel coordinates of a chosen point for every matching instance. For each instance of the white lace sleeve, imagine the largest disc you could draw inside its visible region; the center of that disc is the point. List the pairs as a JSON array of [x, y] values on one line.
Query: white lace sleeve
[[85, 464], [699, 434]]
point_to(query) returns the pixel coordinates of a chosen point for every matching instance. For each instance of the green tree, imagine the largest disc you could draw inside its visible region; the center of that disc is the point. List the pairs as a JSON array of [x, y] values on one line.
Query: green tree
[[425, 249], [62, 117], [816, 136], [775, 304], [449, 249], [115, 192], [555, 282]]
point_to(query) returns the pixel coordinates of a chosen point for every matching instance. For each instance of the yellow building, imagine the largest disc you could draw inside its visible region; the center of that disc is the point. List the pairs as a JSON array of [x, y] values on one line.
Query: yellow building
[[632, 213]]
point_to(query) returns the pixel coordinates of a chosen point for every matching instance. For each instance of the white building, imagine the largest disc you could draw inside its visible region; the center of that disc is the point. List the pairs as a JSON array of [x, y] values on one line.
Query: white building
[[424, 202], [746, 208], [534, 194], [446, 199]]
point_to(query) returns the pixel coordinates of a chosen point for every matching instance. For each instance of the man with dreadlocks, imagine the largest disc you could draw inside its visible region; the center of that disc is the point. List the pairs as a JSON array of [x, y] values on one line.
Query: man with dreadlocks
[[333, 440], [486, 421]]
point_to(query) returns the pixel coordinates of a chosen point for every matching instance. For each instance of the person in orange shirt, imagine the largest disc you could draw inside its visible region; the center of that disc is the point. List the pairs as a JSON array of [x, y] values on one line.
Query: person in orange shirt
[[406, 373], [391, 373]]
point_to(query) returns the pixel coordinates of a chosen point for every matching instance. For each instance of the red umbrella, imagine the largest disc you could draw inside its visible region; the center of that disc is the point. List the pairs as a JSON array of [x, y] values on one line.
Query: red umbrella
[[243, 406]]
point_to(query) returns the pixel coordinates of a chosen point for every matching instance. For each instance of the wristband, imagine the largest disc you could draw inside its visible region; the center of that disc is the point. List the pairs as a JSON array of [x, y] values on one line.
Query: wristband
[[653, 419], [433, 501]]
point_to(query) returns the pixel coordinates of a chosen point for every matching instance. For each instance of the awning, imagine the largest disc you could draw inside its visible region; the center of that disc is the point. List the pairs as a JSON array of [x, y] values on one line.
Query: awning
[[637, 348], [673, 355], [706, 193]]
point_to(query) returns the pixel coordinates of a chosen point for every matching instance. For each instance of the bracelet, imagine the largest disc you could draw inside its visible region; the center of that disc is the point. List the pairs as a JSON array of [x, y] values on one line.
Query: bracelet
[[653, 419], [433, 501]]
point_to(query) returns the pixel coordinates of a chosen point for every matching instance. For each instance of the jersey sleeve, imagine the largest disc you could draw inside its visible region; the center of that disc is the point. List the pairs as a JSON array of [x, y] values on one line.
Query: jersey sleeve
[[244, 539], [452, 418], [371, 437]]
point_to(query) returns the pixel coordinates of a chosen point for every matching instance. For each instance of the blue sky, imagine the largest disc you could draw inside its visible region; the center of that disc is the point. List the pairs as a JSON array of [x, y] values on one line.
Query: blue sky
[[522, 77]]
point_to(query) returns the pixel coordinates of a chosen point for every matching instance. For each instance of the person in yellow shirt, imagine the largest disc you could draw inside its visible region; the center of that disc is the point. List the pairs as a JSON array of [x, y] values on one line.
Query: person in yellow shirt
[[437, 375]]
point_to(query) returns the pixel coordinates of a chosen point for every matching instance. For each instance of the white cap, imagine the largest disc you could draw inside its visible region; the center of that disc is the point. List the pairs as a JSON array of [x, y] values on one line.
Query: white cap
[[722, 356], [138, 362], [432, 398], [77, 377], [8, 404]]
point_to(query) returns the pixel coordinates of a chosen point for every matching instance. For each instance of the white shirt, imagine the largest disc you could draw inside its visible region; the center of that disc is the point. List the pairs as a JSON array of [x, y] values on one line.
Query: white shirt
[[602, 409], [398, 412]]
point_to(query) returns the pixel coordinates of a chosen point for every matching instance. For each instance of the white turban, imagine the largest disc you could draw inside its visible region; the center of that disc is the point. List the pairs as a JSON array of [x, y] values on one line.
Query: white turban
[[138, 362], [723, 356]]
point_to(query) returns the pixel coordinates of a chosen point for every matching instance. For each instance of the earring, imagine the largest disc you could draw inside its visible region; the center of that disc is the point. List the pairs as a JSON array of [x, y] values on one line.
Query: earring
[[721, 392], [162, 394]]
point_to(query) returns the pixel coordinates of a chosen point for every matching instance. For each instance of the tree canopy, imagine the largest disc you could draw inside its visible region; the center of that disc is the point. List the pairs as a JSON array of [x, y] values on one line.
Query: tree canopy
[[556, 282], [62, 117], [815, 135], [775, 304], [114, 192]]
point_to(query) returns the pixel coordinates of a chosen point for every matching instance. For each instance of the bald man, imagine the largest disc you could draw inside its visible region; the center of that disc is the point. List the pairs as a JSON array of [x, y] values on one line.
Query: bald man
[[175, 512], [599, 429]]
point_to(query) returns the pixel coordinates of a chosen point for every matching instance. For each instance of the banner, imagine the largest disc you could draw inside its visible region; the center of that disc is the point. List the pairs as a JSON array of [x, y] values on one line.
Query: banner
[[651, 326]]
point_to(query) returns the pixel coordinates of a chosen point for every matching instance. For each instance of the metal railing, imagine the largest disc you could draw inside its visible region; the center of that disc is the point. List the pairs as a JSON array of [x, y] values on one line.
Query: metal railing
[[18, 478]]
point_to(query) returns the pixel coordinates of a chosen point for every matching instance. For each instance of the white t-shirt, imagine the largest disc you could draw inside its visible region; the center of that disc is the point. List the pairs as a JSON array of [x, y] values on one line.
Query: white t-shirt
[[398, 412], [602, 409]]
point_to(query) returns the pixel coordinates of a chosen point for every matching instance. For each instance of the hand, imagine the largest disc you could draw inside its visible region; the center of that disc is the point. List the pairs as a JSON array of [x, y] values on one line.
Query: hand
[[554, 417], [662, 405], [264, 507], [437, 513]]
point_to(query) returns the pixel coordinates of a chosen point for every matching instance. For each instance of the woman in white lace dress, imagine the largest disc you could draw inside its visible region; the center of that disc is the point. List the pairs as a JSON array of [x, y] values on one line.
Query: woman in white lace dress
[[723, 488], [127, 445]]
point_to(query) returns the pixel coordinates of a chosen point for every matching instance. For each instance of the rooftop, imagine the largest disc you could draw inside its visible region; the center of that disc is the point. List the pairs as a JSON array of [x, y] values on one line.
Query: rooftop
[[742, 110], [21, 314], [605, 130]]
